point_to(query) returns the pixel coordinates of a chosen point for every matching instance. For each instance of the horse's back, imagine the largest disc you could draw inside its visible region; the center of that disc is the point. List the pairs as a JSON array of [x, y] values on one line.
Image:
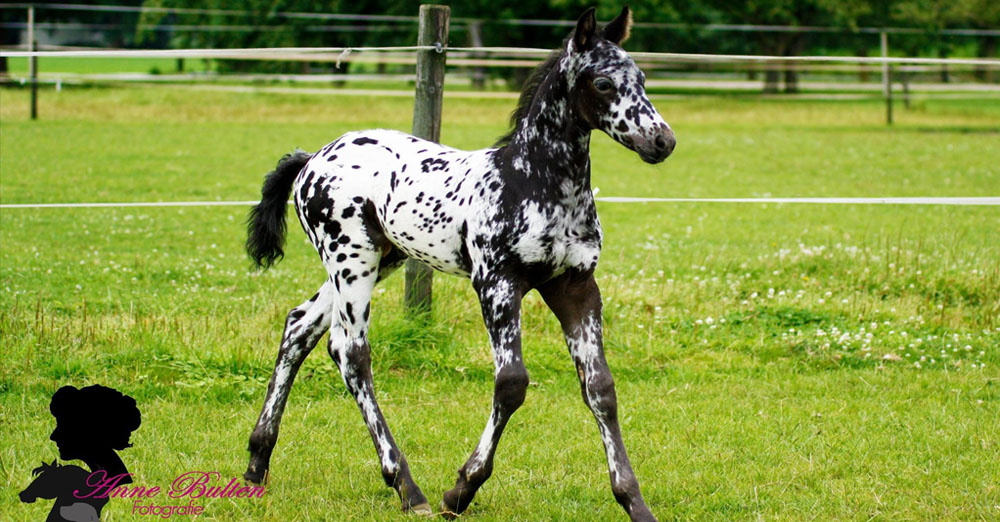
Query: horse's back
[[418, 193]]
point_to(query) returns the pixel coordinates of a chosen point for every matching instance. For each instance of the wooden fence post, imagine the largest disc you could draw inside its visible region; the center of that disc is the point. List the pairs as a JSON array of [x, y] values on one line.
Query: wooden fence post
[[33, 63], [427, 103]]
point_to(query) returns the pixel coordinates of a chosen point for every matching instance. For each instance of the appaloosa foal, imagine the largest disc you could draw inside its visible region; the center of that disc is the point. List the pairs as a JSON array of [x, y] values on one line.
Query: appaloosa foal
[[512, 218]]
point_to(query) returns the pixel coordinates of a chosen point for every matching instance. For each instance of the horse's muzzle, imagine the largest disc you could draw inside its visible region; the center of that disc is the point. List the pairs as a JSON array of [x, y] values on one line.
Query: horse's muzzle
[[659, 147]]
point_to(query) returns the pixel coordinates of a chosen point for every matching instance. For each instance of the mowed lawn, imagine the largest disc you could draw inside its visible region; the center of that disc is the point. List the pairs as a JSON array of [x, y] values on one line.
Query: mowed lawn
[[773, 362]]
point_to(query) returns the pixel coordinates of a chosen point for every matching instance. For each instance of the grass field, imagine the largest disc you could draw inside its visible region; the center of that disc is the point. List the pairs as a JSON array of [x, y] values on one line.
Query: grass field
[[118, 64], [778, 362]]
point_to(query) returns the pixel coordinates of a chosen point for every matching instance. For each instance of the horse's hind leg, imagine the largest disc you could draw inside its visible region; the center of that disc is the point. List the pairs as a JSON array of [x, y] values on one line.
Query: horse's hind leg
[[351, 352], [304, 326], [576, 300], [501, 304]]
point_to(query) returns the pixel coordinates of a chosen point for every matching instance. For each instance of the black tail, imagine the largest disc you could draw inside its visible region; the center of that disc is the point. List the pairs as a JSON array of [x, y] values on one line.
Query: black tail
[[266, 222]]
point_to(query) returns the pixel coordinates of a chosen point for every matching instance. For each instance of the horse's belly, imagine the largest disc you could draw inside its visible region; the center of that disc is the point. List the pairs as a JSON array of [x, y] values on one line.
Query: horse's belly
[[439, 247], [426, 223]]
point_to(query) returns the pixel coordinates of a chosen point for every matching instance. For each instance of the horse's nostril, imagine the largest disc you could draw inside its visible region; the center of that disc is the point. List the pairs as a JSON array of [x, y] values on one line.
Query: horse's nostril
[[660, 144]]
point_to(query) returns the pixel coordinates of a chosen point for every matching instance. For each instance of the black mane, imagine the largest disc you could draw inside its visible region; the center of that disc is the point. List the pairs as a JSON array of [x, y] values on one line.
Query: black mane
[[528, 92]]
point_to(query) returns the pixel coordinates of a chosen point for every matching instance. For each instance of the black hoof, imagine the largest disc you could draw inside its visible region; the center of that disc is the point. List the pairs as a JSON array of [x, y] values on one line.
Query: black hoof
[[257, 478], [421, 509], [455, 502]]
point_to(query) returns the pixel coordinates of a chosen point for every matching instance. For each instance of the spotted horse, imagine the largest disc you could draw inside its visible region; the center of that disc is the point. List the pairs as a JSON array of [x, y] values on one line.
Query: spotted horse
[[512, 218]]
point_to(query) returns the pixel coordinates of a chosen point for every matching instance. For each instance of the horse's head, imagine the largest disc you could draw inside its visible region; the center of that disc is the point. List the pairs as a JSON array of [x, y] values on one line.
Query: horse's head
[[609, 89], [46, 483]]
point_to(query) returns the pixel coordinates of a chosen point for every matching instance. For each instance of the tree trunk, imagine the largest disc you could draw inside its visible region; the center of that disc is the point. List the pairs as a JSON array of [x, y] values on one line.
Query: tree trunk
[[791, 74], [772, 78], [943, 53], [863, 73], [771, 46], [476, 40], [986, 48]]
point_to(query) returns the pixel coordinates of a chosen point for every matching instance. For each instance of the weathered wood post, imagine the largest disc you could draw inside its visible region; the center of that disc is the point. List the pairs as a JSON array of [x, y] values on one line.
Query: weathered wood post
[[427, 103], [33, 63]]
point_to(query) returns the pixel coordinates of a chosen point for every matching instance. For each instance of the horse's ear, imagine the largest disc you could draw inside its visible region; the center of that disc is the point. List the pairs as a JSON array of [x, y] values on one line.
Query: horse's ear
[[618, 29], [586, 27]]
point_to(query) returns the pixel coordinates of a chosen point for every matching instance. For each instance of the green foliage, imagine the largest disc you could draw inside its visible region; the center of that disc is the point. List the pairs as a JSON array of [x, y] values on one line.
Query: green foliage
[[263, 27]]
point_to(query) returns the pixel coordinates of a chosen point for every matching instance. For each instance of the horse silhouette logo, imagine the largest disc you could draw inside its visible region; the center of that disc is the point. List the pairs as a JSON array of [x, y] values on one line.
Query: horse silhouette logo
[[92, 423]]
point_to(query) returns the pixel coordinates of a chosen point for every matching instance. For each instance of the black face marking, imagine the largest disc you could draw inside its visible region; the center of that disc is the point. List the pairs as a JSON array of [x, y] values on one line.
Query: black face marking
[[365, 141]]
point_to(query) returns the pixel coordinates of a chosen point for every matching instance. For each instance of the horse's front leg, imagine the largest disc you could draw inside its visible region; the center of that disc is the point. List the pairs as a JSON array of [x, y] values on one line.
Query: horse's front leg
[[501, 303], [576, 300]]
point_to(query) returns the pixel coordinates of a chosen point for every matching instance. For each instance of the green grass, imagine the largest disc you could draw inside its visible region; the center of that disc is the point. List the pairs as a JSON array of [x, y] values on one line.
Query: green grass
[[781, 362], [78, 65]]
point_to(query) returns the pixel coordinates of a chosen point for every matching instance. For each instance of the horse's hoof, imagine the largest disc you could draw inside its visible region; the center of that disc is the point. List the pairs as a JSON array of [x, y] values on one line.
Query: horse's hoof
[[422, 509], [257, 478], [447, 513]]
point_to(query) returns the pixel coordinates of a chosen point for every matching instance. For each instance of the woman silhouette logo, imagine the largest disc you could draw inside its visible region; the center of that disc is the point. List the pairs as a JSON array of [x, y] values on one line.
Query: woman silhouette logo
[[91, 424]]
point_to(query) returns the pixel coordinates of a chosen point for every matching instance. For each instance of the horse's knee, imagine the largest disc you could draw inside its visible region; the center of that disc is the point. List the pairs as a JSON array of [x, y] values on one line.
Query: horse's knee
[[511, 386]]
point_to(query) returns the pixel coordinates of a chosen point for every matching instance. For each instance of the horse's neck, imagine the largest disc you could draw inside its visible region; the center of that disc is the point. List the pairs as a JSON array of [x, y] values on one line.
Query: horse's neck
[[550, 151]]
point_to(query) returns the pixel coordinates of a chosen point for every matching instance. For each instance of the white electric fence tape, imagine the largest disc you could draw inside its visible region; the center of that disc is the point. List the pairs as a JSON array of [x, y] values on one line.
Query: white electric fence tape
[[976, 201]]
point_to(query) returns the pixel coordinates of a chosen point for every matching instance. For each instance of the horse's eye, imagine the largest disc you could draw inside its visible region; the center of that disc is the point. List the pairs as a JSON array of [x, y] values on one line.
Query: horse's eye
[[603, 84]]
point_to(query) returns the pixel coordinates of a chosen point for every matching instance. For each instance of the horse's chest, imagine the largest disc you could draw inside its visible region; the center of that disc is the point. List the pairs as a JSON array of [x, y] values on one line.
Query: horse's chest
[[558, 237]]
